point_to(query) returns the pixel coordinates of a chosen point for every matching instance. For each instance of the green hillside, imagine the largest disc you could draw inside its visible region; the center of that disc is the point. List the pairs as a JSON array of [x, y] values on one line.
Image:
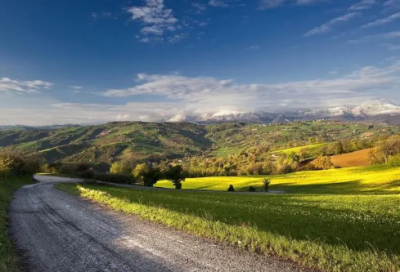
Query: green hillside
[[139, 141]]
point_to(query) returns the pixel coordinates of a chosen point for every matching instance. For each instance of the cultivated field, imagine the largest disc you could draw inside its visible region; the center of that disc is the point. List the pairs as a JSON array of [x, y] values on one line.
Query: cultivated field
[[354, 159], [335, 220]]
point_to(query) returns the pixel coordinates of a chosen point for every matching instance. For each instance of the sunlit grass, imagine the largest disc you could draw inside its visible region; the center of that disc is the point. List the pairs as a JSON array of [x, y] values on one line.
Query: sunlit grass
[[329, 232], [380, 179]]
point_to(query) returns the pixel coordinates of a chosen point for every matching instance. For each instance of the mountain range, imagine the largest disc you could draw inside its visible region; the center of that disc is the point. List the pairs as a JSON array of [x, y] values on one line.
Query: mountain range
[[375, 110]]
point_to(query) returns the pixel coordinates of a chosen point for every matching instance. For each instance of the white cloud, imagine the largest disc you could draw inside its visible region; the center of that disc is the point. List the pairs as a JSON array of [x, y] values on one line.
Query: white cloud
[[330, 24], [9, 85], [363, 4], [155, 19], [207, 94], [383, 21]]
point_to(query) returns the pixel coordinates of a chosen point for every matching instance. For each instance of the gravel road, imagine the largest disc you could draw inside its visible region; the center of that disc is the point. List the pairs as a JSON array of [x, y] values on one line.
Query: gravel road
[[55, 231]]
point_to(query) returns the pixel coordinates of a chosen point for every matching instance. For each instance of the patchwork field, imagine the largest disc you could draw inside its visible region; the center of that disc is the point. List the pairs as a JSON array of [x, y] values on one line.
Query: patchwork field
[[354, 159], [335, 220]]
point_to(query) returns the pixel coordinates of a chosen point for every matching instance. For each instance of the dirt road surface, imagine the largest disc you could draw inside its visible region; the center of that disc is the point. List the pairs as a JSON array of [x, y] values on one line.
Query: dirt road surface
[[55, 231]]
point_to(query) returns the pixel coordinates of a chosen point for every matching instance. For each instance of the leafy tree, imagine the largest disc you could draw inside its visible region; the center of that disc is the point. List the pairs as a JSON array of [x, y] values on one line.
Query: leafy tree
[[147, 174], [120, 168], [16, 162], [176, 175], [323, 163]]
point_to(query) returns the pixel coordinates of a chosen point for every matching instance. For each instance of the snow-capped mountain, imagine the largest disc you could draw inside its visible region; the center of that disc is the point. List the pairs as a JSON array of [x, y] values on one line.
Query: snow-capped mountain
[[375, 110]]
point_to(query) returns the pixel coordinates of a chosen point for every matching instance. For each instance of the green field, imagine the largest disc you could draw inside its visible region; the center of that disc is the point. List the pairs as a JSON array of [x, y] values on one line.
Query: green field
[[312, 148], [336, 220], [380, 179], [8, 257]]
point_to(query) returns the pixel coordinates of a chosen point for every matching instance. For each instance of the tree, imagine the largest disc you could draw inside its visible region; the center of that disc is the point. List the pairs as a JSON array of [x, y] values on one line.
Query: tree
[[120, 168], [266, 184], [176, 175], [147, 174], [323, 163], [16, 162]]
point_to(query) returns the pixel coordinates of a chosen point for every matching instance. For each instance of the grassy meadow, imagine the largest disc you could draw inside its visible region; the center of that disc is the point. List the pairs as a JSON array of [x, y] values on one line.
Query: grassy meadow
[[335, 220], [8, 257], [380, 179]]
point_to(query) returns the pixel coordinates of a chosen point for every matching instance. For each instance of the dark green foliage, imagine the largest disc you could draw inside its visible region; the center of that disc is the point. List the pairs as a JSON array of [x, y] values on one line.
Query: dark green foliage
[[231, 188], [252, 189], [115, 178], [176, 175]]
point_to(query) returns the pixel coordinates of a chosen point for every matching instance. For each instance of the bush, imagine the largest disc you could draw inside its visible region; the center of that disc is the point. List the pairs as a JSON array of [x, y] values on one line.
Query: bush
[[323, 163], [394, 161], [14, 162], [231, 188], [115, 178], [252, 189]]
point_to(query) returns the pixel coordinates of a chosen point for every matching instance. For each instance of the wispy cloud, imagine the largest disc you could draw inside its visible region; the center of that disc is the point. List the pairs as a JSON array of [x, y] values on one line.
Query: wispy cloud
[[253, 47], [199, 7], [76, 87], [222, 3], [326, 27], [9, 85], [269, 4], [383, 21], [377, 37], [392, 4], [155, 18], [363, 4]]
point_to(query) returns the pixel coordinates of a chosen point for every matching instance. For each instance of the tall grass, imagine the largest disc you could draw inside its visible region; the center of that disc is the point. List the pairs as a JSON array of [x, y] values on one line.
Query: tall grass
[[8, 257]]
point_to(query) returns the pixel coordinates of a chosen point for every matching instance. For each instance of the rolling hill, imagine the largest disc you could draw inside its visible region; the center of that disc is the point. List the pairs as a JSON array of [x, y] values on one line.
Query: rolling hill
[[139, 141]]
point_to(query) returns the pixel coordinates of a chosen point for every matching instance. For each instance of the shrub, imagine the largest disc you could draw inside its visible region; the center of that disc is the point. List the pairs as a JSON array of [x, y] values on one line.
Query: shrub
[[15, 162], [115, 178], [252, 189], [394, 161], [231, 188]]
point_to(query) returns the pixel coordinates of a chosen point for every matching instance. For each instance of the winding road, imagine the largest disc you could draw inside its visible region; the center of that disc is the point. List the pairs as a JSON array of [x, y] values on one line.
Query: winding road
[[55, 231]]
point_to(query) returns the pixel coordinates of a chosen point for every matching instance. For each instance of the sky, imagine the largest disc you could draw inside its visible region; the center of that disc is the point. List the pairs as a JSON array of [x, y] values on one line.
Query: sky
[[95, 61]]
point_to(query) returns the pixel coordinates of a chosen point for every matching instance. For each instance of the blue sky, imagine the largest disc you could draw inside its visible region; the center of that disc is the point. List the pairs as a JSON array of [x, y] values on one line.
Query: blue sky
[[103, 60]]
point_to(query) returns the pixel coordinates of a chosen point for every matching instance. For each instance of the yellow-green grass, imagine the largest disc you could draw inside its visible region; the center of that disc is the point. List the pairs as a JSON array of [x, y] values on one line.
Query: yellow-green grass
[[329, 232], [381, 179], [8, 257], [299, 148]]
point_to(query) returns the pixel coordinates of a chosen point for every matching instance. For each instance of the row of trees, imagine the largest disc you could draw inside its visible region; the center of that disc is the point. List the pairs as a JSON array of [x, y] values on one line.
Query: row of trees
[[150, 174]]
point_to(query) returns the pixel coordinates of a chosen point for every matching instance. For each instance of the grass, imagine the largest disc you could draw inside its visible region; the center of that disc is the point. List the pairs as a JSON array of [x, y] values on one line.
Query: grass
[[8, 257], [323, 223], [381, 179], [312, 148]]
